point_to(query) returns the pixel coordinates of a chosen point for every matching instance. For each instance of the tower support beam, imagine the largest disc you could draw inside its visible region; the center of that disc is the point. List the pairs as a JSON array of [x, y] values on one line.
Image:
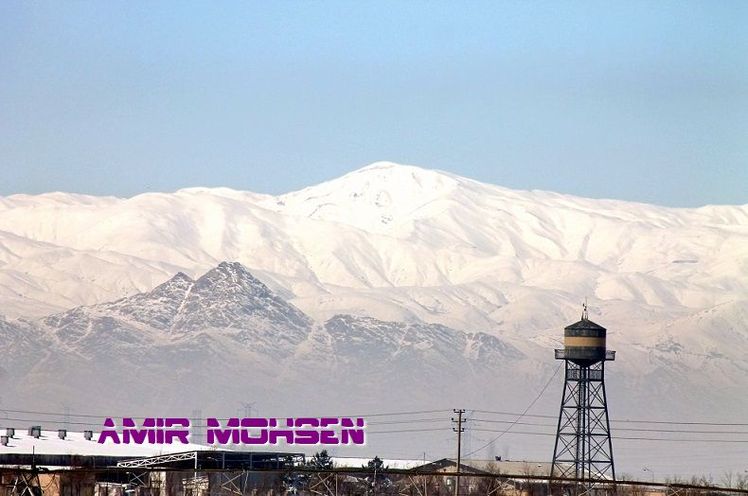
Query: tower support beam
[[583, 448]]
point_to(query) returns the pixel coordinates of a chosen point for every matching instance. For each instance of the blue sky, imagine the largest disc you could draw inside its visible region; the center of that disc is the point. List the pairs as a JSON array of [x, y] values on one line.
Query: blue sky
[[644, 101]]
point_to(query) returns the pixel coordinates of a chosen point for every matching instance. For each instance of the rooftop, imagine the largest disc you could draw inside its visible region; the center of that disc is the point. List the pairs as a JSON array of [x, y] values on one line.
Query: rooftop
[[49, 443]]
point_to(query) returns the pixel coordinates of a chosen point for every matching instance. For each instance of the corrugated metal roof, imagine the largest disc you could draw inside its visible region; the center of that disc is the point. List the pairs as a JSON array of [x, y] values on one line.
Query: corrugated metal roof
[[75, 444], [354, 462]]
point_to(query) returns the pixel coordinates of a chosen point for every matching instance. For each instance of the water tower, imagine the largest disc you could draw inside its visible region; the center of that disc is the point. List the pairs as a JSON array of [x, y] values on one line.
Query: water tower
[[583, 447]]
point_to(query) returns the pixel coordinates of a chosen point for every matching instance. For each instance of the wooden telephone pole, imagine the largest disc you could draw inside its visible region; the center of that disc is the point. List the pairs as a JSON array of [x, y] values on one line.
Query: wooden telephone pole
[[459, 430]]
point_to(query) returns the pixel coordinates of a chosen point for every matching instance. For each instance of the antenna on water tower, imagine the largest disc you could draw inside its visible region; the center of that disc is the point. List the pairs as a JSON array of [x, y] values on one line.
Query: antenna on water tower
[[585, 315]]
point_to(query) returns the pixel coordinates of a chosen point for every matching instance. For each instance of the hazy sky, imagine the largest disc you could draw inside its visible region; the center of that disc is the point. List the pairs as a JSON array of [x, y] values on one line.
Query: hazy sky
[[643, 101]]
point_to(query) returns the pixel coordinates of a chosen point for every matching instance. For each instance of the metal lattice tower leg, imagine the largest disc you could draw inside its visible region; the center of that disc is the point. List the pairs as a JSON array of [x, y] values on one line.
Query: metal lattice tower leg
[[583, 447], [27, 484]]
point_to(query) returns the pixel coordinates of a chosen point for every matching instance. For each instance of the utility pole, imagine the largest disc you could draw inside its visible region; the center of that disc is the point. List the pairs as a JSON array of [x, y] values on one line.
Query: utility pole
[[197, 430], [247, 409], [66, 410], [459, 430]]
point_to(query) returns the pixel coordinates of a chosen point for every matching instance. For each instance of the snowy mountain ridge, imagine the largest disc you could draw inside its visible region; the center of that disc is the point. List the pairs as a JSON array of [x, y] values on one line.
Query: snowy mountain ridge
[[382, 227], [398, 285]]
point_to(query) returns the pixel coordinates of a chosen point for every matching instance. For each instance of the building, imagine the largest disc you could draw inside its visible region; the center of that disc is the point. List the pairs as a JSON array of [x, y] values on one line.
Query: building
[[66, 463], [521, 478]]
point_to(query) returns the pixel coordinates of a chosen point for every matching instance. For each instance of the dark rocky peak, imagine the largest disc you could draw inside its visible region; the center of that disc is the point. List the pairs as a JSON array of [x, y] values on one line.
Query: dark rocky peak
[[231, 278], [228, 302], [229, 296], [157, 308], [177, 285]]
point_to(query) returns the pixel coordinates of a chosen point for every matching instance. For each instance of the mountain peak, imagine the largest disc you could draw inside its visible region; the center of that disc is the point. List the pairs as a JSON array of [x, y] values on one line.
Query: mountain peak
[[233, 272], [229, 296], [371, 197], [393, 177], [181, 277], [175, 287], [387, 165], [384, 170], [232, 267]]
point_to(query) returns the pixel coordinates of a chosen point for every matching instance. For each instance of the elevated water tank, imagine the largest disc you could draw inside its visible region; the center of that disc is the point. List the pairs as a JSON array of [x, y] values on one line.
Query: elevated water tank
[[584, 343]]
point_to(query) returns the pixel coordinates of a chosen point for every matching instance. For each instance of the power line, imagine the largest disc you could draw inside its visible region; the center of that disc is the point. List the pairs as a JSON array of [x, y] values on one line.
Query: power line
[[531, 433], [49, 420], [64, 417], [515, 414], [398, 431], [412, 421], [628, 421], [511, 422], [719, 424], [631, 429], [109, 415], [683, 431], [682, 439], [60, 414], [432, 420], [521, 415], [394, 414]]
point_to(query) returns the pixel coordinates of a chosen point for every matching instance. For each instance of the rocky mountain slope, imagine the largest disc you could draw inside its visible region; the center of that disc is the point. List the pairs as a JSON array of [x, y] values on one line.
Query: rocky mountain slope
[[389, 288], [227, 324]]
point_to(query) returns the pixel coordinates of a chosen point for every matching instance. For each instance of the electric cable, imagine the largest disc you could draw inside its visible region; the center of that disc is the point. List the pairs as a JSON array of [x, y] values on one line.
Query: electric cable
[[555, 372]]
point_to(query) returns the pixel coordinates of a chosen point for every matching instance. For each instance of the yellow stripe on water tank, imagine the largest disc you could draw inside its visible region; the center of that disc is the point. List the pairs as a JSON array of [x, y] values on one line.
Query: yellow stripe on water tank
[[584, 341]]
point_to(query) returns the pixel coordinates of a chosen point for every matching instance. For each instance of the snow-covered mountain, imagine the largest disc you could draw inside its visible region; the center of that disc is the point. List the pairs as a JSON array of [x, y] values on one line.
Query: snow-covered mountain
[[390, 287], [392, 241], [230, 335]]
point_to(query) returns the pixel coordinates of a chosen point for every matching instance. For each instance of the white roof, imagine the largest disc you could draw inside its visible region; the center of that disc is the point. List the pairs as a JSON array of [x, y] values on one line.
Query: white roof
[[512, 467], [349, 462], [75, 444]]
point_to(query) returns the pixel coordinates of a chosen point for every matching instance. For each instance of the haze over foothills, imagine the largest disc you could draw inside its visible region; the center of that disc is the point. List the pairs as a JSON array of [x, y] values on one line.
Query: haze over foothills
[[185, 187]]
